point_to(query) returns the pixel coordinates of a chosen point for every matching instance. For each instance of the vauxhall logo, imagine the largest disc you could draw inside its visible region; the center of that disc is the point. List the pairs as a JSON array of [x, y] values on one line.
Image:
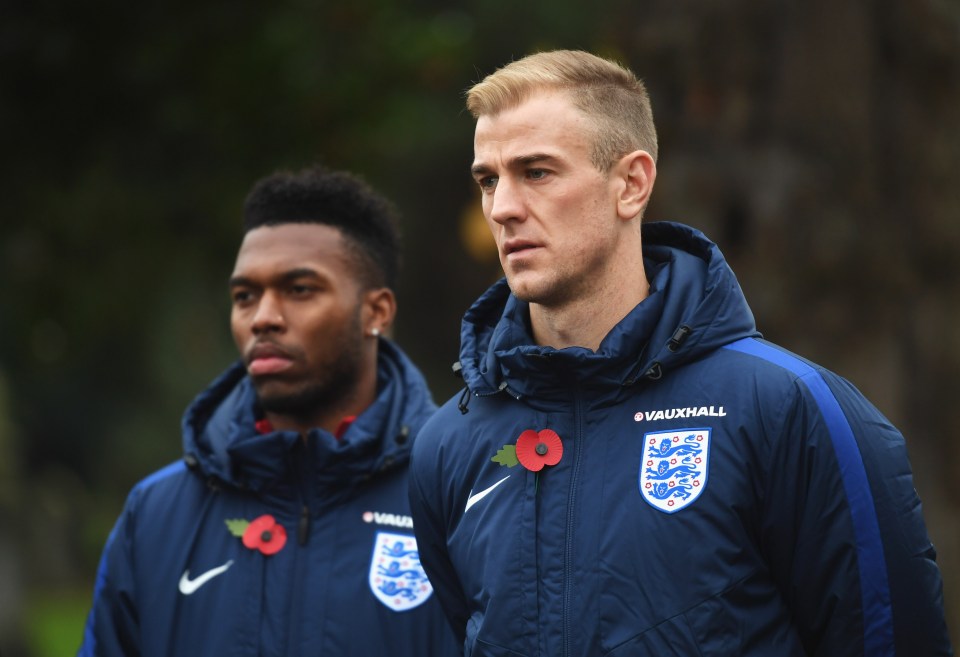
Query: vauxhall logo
[[675, 413], [392, 519]]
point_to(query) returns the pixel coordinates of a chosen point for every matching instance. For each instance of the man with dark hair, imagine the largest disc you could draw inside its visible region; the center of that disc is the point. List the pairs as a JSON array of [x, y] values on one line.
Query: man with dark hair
[[631, 469], [285, 529]]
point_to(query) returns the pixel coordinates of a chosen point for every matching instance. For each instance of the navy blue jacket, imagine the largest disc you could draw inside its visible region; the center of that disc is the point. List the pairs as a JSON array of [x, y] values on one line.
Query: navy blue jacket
[[174, 580], [716, 495]]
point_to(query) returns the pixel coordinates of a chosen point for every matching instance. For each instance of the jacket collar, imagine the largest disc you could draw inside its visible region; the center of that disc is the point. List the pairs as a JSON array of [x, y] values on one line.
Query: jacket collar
[[695, 305], [220, 437]]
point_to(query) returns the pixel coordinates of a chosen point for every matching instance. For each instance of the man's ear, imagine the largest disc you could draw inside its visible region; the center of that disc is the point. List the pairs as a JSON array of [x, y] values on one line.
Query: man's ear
[[637, 171], [379, 310]]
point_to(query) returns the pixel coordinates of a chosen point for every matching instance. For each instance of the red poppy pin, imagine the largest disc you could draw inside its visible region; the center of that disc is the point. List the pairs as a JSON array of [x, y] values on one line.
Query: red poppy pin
[[534, 450], [263, 533]]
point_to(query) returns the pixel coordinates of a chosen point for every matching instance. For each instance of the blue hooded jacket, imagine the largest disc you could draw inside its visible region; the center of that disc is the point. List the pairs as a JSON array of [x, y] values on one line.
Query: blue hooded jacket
[[716, 495], [176, 579]]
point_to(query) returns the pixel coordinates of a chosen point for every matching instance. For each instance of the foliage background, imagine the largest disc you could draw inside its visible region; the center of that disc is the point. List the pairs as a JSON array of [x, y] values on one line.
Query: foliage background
[[817, 142]]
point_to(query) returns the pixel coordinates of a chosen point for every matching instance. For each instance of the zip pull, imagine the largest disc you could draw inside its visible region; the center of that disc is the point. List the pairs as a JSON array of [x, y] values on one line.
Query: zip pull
[[303, 529]]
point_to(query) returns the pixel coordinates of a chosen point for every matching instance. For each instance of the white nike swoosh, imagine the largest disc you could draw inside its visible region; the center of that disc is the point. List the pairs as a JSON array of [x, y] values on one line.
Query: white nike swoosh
[[473, 499], [188, 586]]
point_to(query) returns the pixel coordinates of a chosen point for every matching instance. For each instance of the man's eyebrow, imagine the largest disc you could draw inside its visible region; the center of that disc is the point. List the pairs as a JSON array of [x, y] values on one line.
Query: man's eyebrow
[[285, 277], [299, 272], [533, 158], [481, 169]]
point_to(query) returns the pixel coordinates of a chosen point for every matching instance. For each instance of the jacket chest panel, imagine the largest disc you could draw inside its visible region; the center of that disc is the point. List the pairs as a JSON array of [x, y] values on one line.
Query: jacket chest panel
[[595, 528], [299, 599]]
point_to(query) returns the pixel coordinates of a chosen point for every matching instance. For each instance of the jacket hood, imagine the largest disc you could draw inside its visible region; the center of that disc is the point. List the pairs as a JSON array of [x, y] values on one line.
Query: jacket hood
[[220, 439], [695, 305]]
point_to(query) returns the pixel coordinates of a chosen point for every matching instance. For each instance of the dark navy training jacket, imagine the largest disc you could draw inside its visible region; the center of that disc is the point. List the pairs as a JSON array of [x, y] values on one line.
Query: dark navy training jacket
[[716, 495], [178, 580]]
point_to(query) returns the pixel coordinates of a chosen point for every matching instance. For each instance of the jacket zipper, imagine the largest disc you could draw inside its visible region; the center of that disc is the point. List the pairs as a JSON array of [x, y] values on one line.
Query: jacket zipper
[[303, 528], [302, 469], [570, 533]]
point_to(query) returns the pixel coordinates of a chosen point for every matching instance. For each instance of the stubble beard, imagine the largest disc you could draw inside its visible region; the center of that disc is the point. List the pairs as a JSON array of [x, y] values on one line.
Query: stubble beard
[[559, 287], [552, 292], [330, 388]]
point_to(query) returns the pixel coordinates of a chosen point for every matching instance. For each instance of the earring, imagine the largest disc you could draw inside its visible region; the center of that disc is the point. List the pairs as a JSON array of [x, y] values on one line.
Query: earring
[[374, 331]]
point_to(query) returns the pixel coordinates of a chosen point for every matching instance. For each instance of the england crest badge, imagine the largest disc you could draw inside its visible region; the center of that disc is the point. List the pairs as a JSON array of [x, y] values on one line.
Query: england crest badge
[[396, 577], [673, 470]]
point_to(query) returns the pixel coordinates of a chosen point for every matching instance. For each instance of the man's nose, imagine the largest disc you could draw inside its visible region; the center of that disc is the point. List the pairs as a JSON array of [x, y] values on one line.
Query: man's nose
[[269, 314], [506, 202]]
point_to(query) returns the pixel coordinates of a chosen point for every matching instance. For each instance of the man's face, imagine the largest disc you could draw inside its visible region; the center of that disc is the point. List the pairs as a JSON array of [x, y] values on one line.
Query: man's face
[[296, 316], [553, 214]]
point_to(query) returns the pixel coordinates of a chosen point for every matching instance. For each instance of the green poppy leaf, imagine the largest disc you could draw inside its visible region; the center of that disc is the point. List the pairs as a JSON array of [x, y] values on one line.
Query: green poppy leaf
[[506, 455], [237, 526]]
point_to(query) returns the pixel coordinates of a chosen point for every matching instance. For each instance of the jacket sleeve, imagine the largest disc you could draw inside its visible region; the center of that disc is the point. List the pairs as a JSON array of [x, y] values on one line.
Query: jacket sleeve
[[427, 510], [112, 627], [843, 528]]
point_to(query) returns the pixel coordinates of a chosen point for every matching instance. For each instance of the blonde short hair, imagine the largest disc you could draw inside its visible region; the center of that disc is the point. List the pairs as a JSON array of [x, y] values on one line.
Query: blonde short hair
[[605, 91]]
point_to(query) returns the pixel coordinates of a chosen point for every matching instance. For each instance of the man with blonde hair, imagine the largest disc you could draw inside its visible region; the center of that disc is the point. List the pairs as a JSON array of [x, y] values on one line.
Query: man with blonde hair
[[631, 469], [609, 95]]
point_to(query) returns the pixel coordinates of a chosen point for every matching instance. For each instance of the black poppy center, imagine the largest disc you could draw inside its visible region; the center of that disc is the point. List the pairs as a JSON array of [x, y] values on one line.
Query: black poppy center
[[266, 536], [541, 448]]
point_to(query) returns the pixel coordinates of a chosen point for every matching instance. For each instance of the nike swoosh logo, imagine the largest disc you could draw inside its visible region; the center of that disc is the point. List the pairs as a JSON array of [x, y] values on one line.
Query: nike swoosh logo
[[188, 586], [474, 498]]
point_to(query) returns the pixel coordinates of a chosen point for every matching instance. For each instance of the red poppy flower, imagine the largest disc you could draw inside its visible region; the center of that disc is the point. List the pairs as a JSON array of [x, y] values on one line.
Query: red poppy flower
[[265, 534], [535, 449]]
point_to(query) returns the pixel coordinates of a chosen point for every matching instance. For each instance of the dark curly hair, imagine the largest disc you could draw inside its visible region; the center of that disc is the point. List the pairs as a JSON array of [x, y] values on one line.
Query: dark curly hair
[[317, 195]]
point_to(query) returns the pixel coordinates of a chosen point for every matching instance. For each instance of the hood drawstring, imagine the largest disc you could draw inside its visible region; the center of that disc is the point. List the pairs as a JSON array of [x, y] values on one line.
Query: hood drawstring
[[464, 401], [503, 387], [212, 482], [655, 371]]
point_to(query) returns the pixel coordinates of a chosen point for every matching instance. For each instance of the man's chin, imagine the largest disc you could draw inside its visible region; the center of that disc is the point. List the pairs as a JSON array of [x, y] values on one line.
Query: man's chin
[[527, 288], [282, 400], [521, 286], [297, 402]]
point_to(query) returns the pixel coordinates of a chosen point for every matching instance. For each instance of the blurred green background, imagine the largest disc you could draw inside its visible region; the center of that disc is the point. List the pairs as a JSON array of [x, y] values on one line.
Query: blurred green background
[[817, 142]]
